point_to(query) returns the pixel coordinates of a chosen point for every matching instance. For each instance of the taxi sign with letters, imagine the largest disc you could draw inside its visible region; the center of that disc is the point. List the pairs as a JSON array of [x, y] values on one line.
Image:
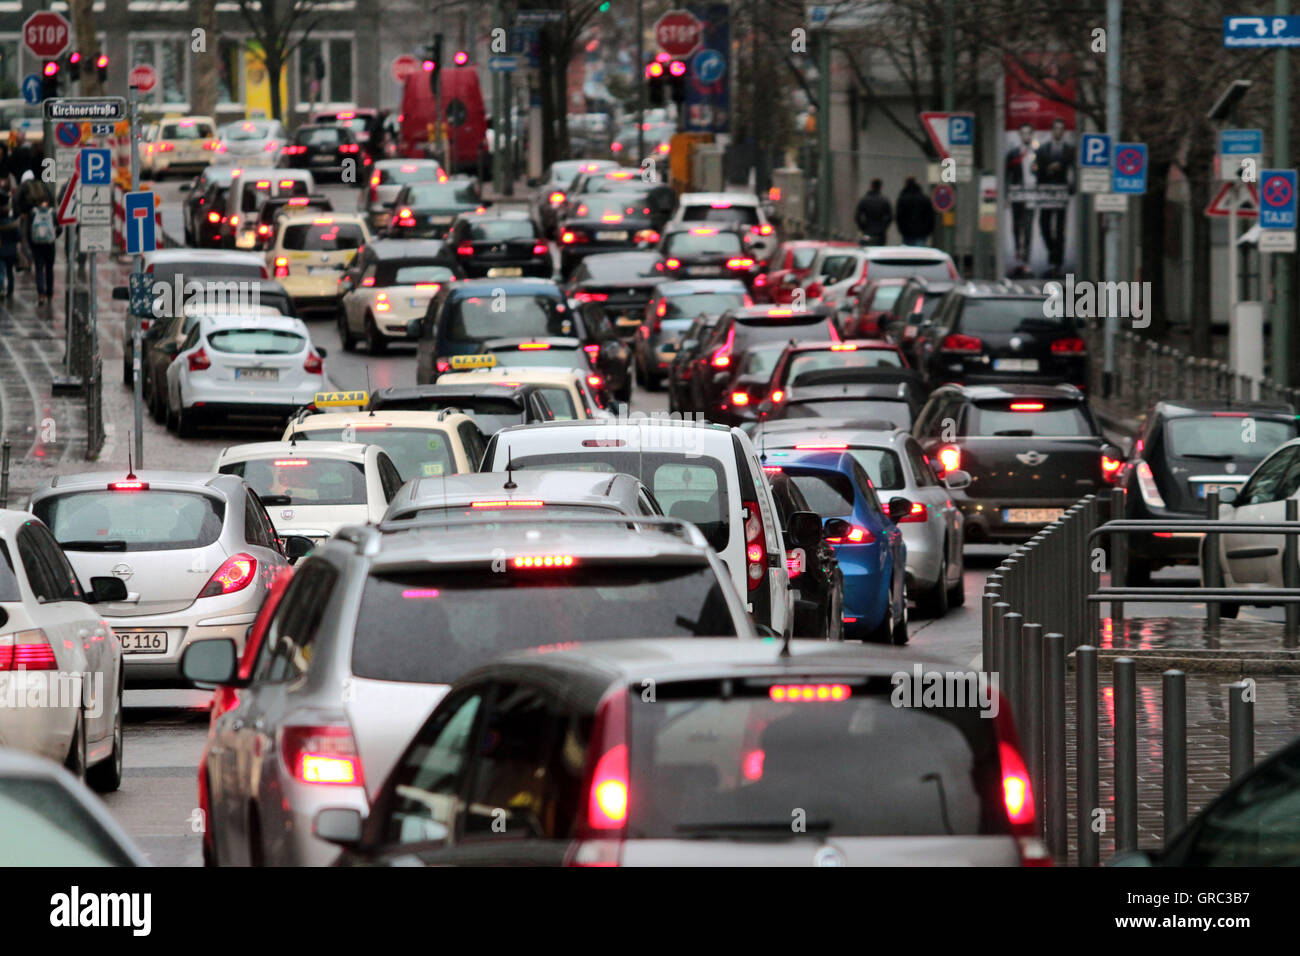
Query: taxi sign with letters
[[473, 361], [337, 399]]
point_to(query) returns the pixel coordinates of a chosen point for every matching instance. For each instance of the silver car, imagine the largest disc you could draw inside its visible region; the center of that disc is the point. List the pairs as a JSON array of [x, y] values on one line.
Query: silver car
[[933, 532], [60, 663], [251, 140], [196, 551], [490, 493], [387, 179], [378, 622]]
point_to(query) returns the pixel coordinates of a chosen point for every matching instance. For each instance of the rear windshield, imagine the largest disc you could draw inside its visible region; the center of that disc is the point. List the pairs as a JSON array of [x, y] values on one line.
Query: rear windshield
[[703, 242], [885, 296], [561, 402], [859, 358], [431, 628], [999, 420], [482, 512], [827, 494], [323, 237], [491, 414], [502, 229], [255, 191], [742, 215], [324, 136], [543, 358], [687, 485], [618, 267], [438, 195], [407, 173], [610, 208], [298, 480], [1226, 437], [708, 765], [479, 318], [415, 452], [411, 274], [904, 267], [699, 303], [898, 413], [1009, 315], [186, 131], [249, 130], [256, 341], [781, 330], [132, 520], [881, 465], [164, 273]]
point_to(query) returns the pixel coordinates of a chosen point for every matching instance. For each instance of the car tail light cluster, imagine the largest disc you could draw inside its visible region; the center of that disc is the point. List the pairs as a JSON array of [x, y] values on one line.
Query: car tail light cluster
[[294, 150], [777, 396], [199, 360], [350, 148], [792, 693], [1018, 793], [165, 147], [740, 397], [855, 535], [130, 485], [544, 561], [313, 364], [572, 236], [918, 514], [956, 342], [321, 754], [591, 296], [556, 198], [26, 650], [1072, 345], [949, 458], [236, 573], [214, 217], [281, 266], [722, 357], [1110, 468], [540, 249], [762, 230], [1147, 486], [602, 825], [755, 546], [740, 263]]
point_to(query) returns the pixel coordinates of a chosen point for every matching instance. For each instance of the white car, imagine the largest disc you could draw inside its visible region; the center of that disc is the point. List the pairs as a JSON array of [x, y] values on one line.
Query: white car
[[233, 365], [313, 488], [251, 141], [735, 209], [61, 672], [250, 187], [706, 474], [387, 179], [388, 285], [839, 274], [566, 390]]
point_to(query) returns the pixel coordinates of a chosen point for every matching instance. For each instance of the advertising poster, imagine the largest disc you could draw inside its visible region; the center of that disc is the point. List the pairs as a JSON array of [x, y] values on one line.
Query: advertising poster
[[708, 92]]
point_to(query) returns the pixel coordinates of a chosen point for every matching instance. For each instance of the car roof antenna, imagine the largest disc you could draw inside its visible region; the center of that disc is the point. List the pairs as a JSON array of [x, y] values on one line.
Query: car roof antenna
[[130, 467], [785, 645], [510, 467], [368, 402]]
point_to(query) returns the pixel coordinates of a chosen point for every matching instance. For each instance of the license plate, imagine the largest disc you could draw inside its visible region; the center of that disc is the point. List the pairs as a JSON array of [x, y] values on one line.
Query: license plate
[[258, 374], [417, 303], [320, 270], [626, 321], [1031, 515], [504, 271], [704, 271], [322, 160], [1204, 489], [610, 236], [440, 220], [1015, 365], [143, 642]]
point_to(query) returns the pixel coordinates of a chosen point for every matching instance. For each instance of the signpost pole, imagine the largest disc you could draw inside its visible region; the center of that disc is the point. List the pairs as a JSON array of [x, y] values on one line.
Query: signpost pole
[[947, 236], [640, 80], [823, 131], [1232, 253], [1282, 265], [1111, 233], [137, 386]]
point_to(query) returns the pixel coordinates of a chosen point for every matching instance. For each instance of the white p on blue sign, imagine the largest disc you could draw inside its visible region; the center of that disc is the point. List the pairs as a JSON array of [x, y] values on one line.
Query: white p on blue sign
[[95, 167], [1094, 150], [961, 130]]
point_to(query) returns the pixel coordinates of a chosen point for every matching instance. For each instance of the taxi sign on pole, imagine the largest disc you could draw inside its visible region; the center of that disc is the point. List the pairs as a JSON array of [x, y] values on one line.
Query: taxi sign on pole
[[337, 399], [1130, 170], [1277, 198], [473, 361]]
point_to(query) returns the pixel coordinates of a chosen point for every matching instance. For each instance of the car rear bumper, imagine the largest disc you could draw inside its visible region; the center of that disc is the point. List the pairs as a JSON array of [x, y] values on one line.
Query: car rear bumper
[[31, 723], [183, 628], [986, 519]]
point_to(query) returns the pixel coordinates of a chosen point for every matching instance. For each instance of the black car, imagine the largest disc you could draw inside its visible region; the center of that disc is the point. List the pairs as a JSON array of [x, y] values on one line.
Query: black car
[[508, 244], [1032, 451], [677, 380], [981, 333], [427, 210], [815, 574], [658, 196], [492, 405], [884, 394], [914, 306], [367, 125], [274, 206], [325, 149], [552, 191], [604, 222], [1185, 450], [708, 252], [207, 198], [745, 390], [620, 282]]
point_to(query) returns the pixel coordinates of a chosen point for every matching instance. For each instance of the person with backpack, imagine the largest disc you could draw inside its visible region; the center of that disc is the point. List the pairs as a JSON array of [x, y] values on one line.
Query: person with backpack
[[42, 231], [11, 232]]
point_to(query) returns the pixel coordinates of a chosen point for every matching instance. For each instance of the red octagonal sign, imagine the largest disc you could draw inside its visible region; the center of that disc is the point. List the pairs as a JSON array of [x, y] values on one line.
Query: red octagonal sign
[[678, 33], [46, 34]]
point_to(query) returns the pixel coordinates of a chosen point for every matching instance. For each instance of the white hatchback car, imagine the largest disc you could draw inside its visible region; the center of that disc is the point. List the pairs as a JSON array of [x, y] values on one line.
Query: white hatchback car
[[61, 672], [242, 366], [743, 210]]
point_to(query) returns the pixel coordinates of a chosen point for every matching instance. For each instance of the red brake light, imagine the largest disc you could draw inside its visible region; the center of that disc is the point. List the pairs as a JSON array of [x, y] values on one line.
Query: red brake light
[[950, 458], [672, 264], [540, 249], [290, 462], [595, 381], [778, 397], [854, 535], [1073, 344], [740, 398], [755, 546], [214, 217], [368, 281], [741, 262], [508, 504], [919, 513], [722, 357], [790, 693], [199, 360], [544, 561], [313, 364], [822, 446], [27, 650], [263, 230], [128, 486], [1026, 406], [1110, 467], [321, 754], [281, 266], [591, 349], [236, 573], [1017, 793], [555, 198], [961, 343], [591, 296]]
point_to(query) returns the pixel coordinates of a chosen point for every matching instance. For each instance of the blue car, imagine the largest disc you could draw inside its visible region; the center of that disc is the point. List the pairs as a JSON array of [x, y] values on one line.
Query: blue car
[[867, 542]]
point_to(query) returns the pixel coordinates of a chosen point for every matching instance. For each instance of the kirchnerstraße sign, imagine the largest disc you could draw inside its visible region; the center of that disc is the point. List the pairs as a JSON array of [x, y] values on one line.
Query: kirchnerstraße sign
[[109, 108]]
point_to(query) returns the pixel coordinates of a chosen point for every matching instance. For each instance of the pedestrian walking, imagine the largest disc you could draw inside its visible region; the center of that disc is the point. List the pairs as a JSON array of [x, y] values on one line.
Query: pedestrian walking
[[874, 215], [31, 193], [11, 231], [915, 214], [41, 235]]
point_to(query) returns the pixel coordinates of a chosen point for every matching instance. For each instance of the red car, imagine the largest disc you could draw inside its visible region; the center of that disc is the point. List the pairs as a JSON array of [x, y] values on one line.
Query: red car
[[874, 302], [788, 268]]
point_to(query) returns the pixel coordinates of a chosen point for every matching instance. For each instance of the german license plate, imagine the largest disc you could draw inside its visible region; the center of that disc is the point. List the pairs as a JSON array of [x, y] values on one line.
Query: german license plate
[[1015, 365], [320, 270], [705, 271], [504, 271], [1204, 489], [627, 321], [322, 160], [608, 236], [1031, 515], [258, 374], [143, 642], [440, 220]]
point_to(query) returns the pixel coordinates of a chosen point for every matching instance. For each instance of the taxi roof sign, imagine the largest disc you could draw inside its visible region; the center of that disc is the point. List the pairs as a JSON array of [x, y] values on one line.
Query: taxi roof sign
[[337, 399], [473, 361]]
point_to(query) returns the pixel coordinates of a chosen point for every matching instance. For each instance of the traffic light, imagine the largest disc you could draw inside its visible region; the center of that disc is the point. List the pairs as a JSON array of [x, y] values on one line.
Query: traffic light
[[677, 80], [461, 58], [74, 67], [433, 61], [101, 67], [50, 79], [654, 83]]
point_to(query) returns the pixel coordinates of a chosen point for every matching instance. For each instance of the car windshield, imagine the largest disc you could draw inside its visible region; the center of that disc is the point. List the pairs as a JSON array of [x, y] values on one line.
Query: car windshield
[[41, 824], [479, 318], [502, 229], [688, 485], [1232, 436], [731, 761], [323, 236], [905, 267], [415, 452], [610, 208], [885, 296], [896, 412], [256, 341], [1034, 418], [432, 627], [303, 480], [831, 358], [1005, 316], [742, 215], [249, 130], [440, 195], [132, 520], [698, 303], [704, 241], [186, 130], [407, 173]]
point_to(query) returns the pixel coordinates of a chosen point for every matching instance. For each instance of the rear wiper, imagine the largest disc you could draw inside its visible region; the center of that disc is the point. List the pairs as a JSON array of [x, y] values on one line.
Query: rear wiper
[[1207, 456], [94, 544], [1015, 433], [759, 826], [275, 499]]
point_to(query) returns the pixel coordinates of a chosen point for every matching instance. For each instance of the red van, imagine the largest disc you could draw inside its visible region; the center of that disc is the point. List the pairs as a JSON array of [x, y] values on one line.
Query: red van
[[463, 112]]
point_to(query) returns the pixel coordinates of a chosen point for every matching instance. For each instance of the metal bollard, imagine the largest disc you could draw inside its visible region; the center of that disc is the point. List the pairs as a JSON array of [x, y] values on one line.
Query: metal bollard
[[1241, 730], [1291, 577], [1031, 682], [1174, 717], [1011, 625], [4, 474], [1085, 744], [1000, 610], [1054, 809], [1212, 571], [1125, 691], [986, 630], [1118, 563]]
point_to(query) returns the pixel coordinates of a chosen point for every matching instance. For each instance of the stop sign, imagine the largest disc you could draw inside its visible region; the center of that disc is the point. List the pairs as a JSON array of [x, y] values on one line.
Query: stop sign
[[143, 77], [46, 34], [404, 66], [678, 33]]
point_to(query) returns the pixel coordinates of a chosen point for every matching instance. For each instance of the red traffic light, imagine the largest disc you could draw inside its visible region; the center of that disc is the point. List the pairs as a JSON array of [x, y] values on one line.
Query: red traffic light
[[461, 58], [74, 58], [51, 68], [428, 66], [102, 61], [677, 68], [654, 70]]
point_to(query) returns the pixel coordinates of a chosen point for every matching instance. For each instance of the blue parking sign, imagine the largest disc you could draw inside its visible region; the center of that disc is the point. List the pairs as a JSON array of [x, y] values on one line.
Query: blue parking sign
[[1094, 150], [95, 166], [961, 130], [1130, 169], [1277, 188], [140, 234]]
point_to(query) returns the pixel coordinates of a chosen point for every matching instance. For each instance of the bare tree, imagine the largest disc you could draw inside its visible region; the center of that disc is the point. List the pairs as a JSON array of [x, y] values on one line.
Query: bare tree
[[280, 27], [83, 22], [205, 64]]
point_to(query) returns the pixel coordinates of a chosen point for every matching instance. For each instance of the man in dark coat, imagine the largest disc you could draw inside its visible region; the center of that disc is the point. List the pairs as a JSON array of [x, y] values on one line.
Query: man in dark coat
[[874, 214], [1054, 166], [915, 214]]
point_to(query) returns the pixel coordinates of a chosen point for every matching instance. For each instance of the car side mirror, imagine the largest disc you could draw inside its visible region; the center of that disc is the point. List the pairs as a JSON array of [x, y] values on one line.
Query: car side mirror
[[899, 507], [1228, 496], [320, 350], [836, 528], [957, 480], [803, 530], [338, 825], [107, 589], [121, 294], [207, 663], [298, 546]]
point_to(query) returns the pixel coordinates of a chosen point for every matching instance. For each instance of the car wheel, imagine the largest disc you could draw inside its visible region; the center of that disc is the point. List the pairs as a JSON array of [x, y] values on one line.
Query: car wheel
[[375, 341], [106, 776], [934, 602], [882, 633], [345, 333], [76, 759]]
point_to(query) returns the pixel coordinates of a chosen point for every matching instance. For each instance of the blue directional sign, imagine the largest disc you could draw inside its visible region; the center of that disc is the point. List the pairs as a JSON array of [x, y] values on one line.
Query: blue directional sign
[[961, 130], [1130, 170], [95, 167], [504, 64], [1241, 142], [140, 235], [709, 66], [1239, 32], [1094, 150], [1277, 191], [32, 88]]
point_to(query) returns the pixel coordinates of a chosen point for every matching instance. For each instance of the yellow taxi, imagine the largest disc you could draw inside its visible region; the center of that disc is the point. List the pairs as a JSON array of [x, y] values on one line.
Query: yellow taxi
[[310, 254], [566, 390], [420, 444], [181, 144]]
